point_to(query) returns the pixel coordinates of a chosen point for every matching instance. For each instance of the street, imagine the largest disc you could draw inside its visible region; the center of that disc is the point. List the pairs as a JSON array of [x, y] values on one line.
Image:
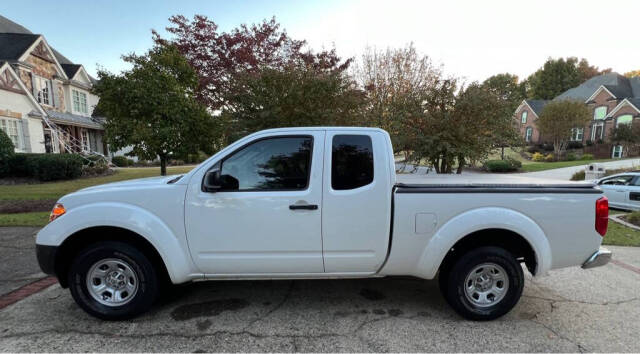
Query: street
[[568, 310]]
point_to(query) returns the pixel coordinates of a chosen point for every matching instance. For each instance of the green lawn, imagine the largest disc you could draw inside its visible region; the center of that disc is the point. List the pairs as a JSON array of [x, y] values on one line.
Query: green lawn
[[55, 190], [620, 235], [529, 166], [25, 219]]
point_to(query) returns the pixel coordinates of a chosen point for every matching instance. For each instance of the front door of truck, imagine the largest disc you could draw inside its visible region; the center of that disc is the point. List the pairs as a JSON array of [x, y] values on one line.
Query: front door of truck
[[267, 216]]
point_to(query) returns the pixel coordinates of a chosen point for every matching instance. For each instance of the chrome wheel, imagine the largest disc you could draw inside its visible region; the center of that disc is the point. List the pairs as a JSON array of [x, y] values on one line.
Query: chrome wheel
[[112, 282], [486, 285]]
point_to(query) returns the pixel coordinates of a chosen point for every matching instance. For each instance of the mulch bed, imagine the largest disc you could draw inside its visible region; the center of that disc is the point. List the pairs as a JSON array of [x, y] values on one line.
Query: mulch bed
[[25, 206]]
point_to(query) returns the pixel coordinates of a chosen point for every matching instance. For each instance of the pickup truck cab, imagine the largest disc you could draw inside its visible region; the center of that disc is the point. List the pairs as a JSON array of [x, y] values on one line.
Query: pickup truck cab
[[317, 203]]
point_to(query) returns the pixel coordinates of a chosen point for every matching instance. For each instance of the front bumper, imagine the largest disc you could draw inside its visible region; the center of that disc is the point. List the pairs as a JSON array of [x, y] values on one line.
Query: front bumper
[[47, 258], [598, 259]]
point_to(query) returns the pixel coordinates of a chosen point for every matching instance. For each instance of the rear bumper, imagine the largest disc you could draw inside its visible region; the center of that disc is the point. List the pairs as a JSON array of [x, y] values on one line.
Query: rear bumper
[[598, 259], [46, 258]]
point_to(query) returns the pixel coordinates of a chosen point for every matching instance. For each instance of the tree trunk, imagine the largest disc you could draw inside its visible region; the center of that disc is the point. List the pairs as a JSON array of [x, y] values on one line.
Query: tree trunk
[[163, 165], [502, 153], [460, 165]]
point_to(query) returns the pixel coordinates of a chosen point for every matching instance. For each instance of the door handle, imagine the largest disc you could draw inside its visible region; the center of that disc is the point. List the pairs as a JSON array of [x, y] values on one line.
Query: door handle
[[303, 207]]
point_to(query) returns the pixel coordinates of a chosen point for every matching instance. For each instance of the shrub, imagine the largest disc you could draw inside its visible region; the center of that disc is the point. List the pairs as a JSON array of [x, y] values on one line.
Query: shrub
[[549, 158], [537, 157], [532, 149], [122, 161], [508, 165], [46, 167], [6, 153], [634, 218], [578, 176], [571, 157], [587, 157], [575, 145]]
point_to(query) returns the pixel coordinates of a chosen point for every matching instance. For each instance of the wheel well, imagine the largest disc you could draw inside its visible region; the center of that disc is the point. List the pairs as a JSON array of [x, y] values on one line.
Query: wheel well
[[509, 240], [83, 238]]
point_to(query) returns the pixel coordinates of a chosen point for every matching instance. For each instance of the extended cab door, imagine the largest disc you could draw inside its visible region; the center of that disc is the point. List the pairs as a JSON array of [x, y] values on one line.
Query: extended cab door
[[356, 206], [267, 218]]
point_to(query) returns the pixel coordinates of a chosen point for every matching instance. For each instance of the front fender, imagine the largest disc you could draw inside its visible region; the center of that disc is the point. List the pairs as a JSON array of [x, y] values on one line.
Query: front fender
[[171, 247], [481, 219]]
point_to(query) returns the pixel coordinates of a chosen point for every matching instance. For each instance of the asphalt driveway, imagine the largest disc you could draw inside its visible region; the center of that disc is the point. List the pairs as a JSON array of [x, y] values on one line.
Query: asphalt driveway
[[568, 310]]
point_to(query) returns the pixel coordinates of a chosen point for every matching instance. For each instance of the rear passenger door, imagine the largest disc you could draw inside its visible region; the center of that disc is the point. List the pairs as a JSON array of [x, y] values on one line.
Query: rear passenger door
[[356, 203]]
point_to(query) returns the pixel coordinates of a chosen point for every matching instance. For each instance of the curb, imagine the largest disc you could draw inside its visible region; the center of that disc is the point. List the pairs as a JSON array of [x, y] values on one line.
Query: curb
[[617, 219]]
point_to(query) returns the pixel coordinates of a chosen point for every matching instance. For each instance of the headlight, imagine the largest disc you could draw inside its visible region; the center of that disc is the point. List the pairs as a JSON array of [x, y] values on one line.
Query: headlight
[[57, 211]]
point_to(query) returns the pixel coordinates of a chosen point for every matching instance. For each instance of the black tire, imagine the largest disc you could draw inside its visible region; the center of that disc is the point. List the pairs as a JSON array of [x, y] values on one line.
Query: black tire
[[147, 280], [452, 283]]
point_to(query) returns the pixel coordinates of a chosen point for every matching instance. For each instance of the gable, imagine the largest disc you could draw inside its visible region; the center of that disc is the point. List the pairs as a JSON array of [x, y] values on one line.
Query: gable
[[42, 57], [13, 93], [626, 107], [9, 82], [82, 76]]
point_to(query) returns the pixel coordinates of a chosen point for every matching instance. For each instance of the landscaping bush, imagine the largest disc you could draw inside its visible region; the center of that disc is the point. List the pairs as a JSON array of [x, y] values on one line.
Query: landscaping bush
[[45, 167], [122, 161], [578, 176], [587, 157], [537, 157], [549, 158], [571, 157], [634, 218], [6, 153], [575, 145], [532, 149], [508, 165]]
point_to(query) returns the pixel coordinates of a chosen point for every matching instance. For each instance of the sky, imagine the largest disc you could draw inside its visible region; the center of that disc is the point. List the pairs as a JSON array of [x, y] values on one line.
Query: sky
[[471, 39]]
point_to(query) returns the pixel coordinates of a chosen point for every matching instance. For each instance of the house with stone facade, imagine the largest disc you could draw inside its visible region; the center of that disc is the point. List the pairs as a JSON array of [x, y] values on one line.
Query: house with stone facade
[[613, 99], [46, 103]]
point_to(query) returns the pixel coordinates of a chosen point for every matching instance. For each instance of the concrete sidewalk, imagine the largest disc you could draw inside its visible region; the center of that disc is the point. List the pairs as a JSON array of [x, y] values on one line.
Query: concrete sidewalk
[[566, 172]]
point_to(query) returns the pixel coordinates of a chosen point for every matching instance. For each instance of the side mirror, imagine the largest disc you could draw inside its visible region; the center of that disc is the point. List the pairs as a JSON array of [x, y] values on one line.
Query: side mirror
[[211, 181]]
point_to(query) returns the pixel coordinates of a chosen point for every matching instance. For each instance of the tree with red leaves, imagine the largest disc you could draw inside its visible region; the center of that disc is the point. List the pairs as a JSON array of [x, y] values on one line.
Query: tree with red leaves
[[218, 57]]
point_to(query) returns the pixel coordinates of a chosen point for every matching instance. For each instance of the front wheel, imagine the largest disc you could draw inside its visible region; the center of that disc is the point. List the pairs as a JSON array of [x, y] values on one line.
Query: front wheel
[[113, 281], [483, 284]]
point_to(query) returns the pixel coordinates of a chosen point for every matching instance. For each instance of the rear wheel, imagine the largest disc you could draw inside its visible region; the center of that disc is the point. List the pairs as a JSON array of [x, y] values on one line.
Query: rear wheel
[[113, 281], [483, 284]]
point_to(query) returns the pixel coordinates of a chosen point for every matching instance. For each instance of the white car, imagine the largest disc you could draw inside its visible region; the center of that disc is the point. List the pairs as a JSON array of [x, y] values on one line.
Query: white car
[[317, 203], [622, 190]]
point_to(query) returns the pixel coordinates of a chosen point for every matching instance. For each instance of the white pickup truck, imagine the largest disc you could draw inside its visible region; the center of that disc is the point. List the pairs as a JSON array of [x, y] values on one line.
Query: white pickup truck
[[316, 203]]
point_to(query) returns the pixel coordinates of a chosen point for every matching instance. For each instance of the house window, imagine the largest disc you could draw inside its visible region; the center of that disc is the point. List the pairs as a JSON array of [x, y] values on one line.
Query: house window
[[12, 128], [84, 134], [80, 102], [577, 134], [600, 112], [528, 134], [617, 152], [42, 89], [597, 131], [524, 117], [624, 119]]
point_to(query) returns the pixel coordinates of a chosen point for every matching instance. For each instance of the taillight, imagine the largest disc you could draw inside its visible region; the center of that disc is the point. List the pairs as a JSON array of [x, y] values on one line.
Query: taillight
[[602, 215]]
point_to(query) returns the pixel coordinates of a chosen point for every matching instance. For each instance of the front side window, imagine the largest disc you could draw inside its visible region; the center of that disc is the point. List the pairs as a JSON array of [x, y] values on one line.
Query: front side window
[[42, 90], [351, 161], [524, 117], [577, 134], [80, 102], [623, 180], [624, 119], [11, 127], [528, 133], [600, 112], [269, 164]]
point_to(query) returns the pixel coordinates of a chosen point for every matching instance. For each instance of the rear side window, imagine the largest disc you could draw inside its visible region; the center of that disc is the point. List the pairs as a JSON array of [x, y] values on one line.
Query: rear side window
[[351, 161]]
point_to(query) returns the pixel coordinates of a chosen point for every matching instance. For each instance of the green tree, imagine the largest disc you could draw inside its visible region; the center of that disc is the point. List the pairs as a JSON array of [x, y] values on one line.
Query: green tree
[[509, 92], [557, 120], [559, 75], [151, 107], [297, 95], [7, 150], [627, 135], [632, 73]]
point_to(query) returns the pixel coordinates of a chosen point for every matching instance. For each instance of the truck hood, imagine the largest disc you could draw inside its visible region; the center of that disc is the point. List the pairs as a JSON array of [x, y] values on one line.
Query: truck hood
[[132, 183]]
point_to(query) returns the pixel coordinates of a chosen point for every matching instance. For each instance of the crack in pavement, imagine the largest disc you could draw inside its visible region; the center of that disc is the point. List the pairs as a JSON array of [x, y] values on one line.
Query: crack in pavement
[[286, 297]]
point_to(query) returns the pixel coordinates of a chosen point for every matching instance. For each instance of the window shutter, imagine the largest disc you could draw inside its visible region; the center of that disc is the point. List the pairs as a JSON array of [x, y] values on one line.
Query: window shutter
[[26, 141], [54, 94]]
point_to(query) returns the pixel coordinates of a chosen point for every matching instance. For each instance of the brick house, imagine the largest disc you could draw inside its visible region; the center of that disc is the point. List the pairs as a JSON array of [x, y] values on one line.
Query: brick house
[[613, 99], [45, 100]]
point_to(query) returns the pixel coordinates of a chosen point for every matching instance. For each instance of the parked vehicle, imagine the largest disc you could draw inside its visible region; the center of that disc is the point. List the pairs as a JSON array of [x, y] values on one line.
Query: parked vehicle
[[316, 203], [622, 190]]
